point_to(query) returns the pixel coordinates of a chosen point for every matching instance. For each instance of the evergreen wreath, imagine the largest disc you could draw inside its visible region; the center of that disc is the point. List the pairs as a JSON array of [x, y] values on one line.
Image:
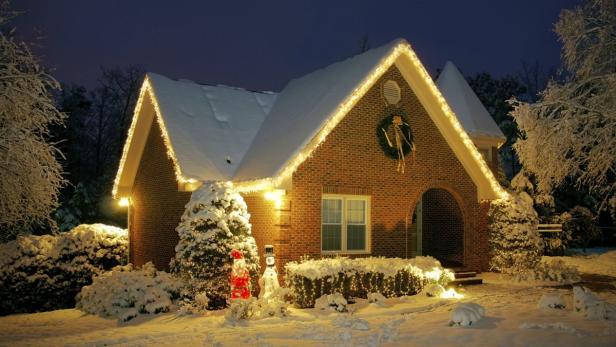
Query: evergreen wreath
[[386, 141]]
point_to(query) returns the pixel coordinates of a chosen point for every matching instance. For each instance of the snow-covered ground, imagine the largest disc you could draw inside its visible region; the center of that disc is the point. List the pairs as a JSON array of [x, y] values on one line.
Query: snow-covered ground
[[512, 318], [600, 261]]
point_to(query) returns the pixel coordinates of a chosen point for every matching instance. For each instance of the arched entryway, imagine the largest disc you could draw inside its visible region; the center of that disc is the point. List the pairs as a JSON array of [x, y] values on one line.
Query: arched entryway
[[437, 228]]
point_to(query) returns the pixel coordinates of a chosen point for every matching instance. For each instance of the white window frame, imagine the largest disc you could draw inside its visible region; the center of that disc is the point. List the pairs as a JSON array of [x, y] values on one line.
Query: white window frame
[[343, 242]]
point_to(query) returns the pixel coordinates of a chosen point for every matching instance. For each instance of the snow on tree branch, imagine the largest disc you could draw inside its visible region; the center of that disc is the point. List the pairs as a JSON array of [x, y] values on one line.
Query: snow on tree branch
[[570, 133], [30, 175]]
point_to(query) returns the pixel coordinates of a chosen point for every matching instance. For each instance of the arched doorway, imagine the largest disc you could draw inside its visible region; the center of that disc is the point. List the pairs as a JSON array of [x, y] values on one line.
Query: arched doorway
[[437, 228]]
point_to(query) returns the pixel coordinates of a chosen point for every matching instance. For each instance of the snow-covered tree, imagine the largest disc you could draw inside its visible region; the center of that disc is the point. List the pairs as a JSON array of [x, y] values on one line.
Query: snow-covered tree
[[569, 134], [215, 223], [515, 244], [30, 175]]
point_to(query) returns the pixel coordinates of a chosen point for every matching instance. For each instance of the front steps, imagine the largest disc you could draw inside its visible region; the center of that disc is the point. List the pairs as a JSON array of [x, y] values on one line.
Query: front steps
[[465, 278]]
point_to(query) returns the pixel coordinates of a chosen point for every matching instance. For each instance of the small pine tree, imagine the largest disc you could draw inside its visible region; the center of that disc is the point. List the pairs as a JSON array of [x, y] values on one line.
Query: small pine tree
[[515, 243], [214, 223]]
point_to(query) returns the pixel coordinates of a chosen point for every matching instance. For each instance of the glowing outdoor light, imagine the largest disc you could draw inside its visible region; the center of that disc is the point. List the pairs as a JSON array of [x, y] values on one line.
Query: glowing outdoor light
[[124, 202], [270, 259], [451, 294], [275, 195]]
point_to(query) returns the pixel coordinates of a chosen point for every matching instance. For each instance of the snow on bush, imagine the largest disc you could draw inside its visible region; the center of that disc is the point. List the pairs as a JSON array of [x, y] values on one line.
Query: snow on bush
[[434, 290], [335, 301], [241, 310], [376, 298], [214, 223], [310, 279], [588, 304], [125, 292], [41, 273], [466, 314], [555, 271], [514, 241], [552, 300]]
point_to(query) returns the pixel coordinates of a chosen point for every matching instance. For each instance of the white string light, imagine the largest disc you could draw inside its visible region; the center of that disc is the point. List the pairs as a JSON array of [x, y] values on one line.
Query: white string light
[[403, 48]]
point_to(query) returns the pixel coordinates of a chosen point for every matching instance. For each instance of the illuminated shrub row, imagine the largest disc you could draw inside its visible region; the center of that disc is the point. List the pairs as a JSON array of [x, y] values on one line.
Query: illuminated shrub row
[[356, 278], [41, 273]]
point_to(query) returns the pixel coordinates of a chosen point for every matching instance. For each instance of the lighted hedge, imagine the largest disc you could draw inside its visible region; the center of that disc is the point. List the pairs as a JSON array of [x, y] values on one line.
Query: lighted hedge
[[355, 278]]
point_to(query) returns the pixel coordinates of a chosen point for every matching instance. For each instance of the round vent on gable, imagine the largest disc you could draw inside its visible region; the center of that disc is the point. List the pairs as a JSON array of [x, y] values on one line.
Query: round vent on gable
[[391, 92]]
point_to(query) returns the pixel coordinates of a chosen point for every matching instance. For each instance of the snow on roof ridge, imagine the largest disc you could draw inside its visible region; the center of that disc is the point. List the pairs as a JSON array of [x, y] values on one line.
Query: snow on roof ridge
[[302, 108], [204, 84], [463, 100]]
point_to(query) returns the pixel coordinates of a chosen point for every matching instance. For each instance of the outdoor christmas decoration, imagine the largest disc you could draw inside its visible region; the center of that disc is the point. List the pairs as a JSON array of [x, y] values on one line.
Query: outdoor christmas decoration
[[395, 138], [240, 277], [270, 260], [214, 224]]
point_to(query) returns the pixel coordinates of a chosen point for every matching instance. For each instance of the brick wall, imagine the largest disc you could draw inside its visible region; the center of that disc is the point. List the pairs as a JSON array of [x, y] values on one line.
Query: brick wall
[[351, 159], [156, 205]]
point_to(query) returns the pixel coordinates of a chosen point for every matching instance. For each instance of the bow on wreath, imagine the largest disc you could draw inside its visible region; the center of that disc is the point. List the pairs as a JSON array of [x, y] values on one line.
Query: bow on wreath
[[403, 143]]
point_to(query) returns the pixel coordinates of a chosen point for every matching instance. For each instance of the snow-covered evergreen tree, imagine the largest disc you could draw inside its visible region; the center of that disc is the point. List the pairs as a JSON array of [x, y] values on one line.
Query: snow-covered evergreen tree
[[215, 223], [30, 175], [515, 244], [570, 133]]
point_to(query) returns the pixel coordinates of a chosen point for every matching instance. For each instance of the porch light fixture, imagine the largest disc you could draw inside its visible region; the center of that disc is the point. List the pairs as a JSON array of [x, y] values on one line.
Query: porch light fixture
[[124, 202], [275, 195]]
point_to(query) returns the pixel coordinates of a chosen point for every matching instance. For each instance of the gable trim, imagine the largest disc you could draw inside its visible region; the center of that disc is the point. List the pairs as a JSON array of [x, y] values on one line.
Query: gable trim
[[437, 107], [146, 109]]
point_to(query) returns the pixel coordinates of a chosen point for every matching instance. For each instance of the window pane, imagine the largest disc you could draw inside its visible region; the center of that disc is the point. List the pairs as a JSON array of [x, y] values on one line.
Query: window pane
[[356, 211], [356, 237], [332, 237], [331, 211]]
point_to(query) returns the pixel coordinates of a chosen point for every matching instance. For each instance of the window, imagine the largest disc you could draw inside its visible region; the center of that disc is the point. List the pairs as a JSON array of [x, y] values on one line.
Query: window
[[345, 225]]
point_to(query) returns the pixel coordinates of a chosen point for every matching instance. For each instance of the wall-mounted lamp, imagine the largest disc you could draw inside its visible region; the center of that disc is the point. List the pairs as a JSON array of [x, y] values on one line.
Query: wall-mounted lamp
[[124, 202], [275, 195]]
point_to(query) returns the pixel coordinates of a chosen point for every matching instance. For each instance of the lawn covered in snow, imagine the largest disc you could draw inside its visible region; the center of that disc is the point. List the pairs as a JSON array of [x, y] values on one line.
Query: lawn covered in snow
[[512, 318]]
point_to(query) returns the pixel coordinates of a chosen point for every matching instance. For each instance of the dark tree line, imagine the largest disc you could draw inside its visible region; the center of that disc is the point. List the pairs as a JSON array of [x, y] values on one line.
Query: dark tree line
[[92, 141]]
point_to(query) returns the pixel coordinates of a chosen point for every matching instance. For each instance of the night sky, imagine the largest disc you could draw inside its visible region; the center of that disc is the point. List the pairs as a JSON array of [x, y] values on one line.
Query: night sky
[[261, 45]]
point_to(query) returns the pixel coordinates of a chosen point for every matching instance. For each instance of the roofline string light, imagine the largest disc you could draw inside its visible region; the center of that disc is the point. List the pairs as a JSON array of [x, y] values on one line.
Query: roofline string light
[[146, 89], [347, 105], [271, 183]]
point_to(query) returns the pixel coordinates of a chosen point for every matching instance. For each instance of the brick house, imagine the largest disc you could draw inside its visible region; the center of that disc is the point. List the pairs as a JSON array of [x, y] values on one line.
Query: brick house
[[311, 165]]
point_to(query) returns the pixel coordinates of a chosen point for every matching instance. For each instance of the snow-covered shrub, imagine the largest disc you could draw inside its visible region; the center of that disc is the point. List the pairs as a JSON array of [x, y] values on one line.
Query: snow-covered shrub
[[241, 310], [125, 292], [310, 279], [552, 300], [335, 301], [214, 223], [555, 271], [581, 227], [515, 244], [376, 298], [588, 304], [466, 314], [40, 273], [434, 290]]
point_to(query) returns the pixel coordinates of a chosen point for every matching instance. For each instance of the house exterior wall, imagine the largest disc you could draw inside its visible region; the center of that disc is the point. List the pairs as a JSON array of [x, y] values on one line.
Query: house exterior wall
[[156, 205], [350, 161]]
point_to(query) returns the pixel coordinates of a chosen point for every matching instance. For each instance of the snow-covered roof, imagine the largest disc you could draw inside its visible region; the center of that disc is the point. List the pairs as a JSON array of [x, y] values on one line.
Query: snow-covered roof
[[474, 117], [301, 110], [265, 136], [208, 125]]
